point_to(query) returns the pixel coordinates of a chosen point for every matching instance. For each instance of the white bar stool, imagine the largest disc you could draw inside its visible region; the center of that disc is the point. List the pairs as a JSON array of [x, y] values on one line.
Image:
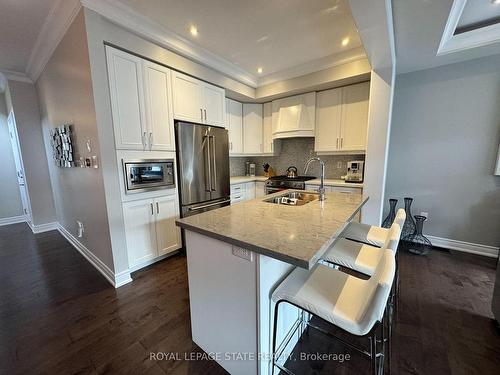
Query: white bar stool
[[370, 234], [352, 304]]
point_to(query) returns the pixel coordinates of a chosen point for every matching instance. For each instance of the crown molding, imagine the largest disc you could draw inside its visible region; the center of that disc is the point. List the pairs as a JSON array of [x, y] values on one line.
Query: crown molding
[[12, 75], [317, 65], [59, 19], [479, 37], [143, 26]]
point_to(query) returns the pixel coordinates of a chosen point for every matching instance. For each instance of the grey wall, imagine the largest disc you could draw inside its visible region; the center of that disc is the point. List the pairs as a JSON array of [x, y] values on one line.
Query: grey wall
[[65, 93], [444, 141], [296, 152], [10, 200], [22, 98]]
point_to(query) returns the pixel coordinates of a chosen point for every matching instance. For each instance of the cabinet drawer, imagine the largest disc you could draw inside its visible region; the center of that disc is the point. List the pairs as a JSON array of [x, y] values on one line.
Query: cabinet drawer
[[346, 190], [236, 189], [237, 198]]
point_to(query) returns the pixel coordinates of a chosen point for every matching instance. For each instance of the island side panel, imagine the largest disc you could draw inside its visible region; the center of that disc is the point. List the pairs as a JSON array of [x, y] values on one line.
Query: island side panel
[[223, 301]]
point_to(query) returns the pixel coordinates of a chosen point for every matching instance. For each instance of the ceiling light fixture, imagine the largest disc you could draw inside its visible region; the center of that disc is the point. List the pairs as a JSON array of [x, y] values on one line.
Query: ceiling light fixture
[[259, 70], [193, 30], [345, 41], [495, 2]]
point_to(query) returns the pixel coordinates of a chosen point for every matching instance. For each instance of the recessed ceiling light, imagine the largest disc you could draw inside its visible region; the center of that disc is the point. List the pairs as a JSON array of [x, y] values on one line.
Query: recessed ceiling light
[[193, 30], [259, 70], [345, 41], [495, 2]]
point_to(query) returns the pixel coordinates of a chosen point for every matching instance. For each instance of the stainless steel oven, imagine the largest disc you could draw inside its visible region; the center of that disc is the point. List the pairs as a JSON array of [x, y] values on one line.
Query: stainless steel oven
[[148, 174]]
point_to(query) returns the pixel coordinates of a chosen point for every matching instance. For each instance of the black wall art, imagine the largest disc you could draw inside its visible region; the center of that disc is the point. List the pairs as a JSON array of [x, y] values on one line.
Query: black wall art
[[61, 139]]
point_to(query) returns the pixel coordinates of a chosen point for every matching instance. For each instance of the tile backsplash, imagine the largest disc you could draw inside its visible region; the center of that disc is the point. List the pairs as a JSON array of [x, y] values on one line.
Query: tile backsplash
[[296, 152]]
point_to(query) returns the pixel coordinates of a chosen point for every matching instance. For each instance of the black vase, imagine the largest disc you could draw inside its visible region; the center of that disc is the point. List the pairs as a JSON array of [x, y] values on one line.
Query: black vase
[[392, 214], [417, 243], [409, 224]]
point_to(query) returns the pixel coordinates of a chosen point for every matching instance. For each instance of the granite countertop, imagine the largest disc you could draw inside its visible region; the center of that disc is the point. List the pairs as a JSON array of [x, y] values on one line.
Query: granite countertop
[[242, 179], [298, 235], [332, 182]]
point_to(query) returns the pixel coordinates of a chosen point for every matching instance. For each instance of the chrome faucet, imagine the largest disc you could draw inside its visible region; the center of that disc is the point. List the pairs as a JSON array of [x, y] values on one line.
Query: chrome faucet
[[321, 189]]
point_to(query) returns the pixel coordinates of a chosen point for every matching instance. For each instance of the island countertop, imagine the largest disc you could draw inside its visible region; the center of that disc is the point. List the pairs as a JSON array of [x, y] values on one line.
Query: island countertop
[[298, 235]]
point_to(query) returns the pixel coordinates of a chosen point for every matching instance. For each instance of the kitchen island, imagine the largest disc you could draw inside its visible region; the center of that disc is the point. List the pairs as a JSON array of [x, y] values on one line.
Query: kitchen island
[[237, 255]]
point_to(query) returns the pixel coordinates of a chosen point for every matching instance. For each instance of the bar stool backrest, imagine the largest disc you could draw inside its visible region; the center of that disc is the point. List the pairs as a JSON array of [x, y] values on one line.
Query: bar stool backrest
[[393, 236], [400, 217]]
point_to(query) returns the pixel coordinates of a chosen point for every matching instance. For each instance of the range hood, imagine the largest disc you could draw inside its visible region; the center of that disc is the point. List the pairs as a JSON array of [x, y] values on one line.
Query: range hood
[[294, 116]]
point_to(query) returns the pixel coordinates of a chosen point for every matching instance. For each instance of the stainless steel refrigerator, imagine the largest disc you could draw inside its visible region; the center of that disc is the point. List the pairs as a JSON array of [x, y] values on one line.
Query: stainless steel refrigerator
[[202, 167]]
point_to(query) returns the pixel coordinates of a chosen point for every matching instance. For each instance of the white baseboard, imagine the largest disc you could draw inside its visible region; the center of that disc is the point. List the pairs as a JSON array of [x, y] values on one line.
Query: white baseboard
[[116, 280], [43, 227], [154, 260], [12, 220], [466, 247]]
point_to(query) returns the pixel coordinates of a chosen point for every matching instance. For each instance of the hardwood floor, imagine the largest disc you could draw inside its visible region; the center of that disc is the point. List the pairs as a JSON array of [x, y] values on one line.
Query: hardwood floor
[[58, 315]]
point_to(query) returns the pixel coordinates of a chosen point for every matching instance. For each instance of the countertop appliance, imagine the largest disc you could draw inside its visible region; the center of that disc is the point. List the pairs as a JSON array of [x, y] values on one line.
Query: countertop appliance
[[355, 171], [203, 167], [148, 174], [292, 172], [279, 183]]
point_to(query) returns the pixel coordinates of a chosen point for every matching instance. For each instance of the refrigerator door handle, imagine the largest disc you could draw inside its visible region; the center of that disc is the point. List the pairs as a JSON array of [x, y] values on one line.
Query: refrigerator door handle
[[208, 205], [212, 186], [208, 186]]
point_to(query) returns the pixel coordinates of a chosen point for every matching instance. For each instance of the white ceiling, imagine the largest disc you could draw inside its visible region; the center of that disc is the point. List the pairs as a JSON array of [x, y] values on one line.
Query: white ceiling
[[20, 23], [418, 28], [276, 35]]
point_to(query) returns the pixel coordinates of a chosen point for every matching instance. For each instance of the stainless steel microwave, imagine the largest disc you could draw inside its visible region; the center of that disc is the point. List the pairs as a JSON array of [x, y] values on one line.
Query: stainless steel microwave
[[148, 175]]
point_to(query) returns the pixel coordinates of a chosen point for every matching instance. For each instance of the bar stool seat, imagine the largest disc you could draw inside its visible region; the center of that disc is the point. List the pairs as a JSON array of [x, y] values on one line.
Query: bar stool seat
[[362, 257], [370, 234]]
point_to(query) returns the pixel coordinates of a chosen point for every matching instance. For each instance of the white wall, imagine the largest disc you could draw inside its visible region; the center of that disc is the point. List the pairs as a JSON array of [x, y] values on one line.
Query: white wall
[[444, 142], [65, 94], [22, 98], [10, 200]]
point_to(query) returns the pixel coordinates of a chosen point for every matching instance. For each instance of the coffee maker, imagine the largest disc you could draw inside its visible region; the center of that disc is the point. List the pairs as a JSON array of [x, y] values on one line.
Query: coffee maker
[[355, 171]]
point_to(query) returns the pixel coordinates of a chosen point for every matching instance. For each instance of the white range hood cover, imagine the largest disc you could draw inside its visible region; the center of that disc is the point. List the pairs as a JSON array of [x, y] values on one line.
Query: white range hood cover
[[294, 116]]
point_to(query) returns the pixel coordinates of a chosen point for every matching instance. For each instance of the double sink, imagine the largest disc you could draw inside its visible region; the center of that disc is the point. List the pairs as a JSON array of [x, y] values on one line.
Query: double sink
[[293, 198]]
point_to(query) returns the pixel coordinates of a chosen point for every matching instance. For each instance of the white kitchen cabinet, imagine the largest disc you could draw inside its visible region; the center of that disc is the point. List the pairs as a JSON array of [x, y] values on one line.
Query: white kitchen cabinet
[[354, 117], [238, 193], [342, 119], [127, 99], [140, 232], [345, 190], [260, 189], [328, 120], [197, 101], [267, 129], [252, 128], [158, 107], [234, 123], [250, 190], [168, 236], [150, 229]]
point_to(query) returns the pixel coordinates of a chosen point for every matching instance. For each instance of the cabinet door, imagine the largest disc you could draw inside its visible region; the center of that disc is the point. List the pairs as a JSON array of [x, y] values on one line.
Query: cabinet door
[[260, 189], [168, 235], [158, 107], [214, 105], [267, 129], [250, 190], [354, 117], [328, 119], [252, 128], [127, 99], [187, 94], [235, 123], [140, 233]]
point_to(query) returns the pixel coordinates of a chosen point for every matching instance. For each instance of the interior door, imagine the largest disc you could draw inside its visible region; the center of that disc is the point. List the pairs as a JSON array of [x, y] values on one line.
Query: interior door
[[193, 157], [328, 119], [139, 219], [215, 104], [158, 107], [168, 235], [219, 151], [355, 116], [187, 94]]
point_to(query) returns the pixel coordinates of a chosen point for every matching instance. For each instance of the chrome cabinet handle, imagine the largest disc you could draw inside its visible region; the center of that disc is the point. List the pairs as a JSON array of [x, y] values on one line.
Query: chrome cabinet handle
[[157, 208], [150, 141], [201, 114], [152, 210], [231, 146], [337, 143], [205, 114], [342, 142], [144, 140]]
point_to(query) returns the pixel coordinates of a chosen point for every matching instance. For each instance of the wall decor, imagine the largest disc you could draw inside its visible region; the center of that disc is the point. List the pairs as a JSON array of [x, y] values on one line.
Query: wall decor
[[61, 140]]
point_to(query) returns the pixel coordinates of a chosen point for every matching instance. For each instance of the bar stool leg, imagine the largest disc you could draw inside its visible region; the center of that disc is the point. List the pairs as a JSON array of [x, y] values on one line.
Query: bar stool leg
[[373, 352], [273, 358]]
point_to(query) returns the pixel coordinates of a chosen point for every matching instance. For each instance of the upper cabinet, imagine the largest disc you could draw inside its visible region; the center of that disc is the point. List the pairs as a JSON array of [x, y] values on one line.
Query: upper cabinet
[[140, 102], [342, 119], [234, 124], [294, 116], [252, 128], [267, 129], [197, 101]]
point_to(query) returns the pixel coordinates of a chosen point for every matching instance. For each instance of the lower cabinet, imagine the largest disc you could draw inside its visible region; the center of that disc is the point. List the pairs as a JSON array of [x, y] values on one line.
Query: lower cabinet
[[150, 229], [260, 189], [250, 190]]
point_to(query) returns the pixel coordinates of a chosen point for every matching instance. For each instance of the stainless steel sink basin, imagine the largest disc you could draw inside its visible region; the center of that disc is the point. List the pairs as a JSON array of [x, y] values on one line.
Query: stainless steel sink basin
[[293, 198]]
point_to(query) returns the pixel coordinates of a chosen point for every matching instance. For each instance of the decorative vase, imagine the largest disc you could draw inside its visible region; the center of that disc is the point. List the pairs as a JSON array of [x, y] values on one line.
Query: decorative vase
[[409, 224], [392, 214], [417, 243]]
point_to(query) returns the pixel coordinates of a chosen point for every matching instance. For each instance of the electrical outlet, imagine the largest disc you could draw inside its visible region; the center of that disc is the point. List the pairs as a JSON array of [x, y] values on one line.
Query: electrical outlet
[[81, 229], [425, 214], [243, 253]]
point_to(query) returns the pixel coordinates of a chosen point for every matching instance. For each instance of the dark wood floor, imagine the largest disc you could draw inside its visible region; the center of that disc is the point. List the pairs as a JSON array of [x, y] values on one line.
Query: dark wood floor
[[58, 315]]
